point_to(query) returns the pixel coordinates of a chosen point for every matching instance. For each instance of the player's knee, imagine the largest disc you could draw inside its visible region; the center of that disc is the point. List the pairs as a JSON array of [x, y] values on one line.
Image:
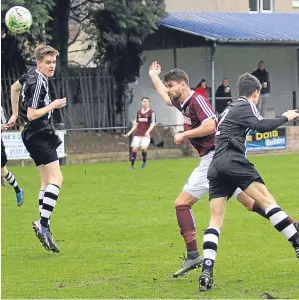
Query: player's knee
[[177, 202], [134, 149], [267, 201], [143, 149], [44, 183], [60, 179], [216, 221], [57, 179], [184, 199]]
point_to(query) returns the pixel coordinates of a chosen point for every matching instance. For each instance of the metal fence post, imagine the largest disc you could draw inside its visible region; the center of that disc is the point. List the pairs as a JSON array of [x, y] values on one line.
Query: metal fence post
[[295, 106]]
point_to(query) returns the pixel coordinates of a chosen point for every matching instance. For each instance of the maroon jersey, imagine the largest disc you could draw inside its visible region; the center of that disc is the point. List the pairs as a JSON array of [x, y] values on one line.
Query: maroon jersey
[[144, 120], [196, 110]]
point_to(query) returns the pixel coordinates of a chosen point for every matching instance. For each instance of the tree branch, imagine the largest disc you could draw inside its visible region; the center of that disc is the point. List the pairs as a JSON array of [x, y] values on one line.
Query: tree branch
[[88, 62], [85, 2], [75, 62], [79, 50], [78, 19], [81, 4]]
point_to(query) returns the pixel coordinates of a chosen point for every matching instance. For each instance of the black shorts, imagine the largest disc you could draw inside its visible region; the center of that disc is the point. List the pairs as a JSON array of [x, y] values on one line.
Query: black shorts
[[3, 155], [228, 171], [41, 145]]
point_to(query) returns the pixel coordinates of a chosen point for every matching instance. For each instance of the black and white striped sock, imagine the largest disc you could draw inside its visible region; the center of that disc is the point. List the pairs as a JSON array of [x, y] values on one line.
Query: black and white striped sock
[[40, 201], [12, 181], [280, 220], [49, 202], [210, 245]]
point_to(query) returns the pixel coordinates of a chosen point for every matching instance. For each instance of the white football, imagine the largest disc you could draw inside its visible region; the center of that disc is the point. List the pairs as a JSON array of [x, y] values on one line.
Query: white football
[[18, 19]]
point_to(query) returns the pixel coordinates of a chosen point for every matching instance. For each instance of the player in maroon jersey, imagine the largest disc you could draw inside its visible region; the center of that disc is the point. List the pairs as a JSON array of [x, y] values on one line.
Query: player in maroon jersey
[[144, 124], [200, 129]]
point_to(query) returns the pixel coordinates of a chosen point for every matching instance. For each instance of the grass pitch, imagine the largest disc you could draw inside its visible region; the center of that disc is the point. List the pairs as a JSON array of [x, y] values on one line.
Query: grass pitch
[[119, 238]]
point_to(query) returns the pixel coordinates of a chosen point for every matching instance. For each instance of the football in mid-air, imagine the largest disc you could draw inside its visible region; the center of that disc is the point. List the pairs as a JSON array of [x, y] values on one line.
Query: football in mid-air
[[18, 19]]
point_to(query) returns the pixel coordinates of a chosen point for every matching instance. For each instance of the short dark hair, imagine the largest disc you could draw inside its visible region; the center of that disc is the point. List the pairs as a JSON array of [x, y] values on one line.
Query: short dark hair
[[146, 98], [248, 84], [176, 75]]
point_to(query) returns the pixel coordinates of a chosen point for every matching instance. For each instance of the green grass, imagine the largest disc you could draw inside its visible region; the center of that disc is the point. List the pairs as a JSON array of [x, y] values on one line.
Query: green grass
[[119, 237]]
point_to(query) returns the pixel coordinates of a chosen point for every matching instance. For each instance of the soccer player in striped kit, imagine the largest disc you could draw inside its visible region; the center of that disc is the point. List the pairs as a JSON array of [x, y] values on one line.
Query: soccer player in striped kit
[[5, 173], [230, 169], [39, 136]]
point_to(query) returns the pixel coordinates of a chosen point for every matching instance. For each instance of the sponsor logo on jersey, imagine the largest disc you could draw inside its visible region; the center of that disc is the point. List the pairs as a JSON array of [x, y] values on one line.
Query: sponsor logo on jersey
[[142, 119]]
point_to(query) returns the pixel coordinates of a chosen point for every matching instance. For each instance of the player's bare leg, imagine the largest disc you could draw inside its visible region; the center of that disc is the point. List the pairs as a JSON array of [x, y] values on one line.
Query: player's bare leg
[[210, 242], [10, 178], [144, 157], [186, 222], [133, 157], [253, 206], [278, 218]]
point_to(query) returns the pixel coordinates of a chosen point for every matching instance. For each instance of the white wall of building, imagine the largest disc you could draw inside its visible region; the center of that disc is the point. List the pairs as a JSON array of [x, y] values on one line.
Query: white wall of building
[[281, 63], [144, 87]]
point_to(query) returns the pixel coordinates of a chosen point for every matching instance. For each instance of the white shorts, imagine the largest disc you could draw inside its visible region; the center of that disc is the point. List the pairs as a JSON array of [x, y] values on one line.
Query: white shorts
[[140, 142], [198, 184]]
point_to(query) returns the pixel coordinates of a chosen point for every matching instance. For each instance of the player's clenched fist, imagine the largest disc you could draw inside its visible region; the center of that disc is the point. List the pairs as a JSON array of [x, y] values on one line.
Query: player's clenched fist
[[59, 103], [154, 69], [291, 114]]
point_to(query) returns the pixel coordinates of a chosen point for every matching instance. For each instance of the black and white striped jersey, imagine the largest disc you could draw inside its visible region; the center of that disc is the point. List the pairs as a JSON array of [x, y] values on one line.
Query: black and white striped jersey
[[234, 124], [35, 94]]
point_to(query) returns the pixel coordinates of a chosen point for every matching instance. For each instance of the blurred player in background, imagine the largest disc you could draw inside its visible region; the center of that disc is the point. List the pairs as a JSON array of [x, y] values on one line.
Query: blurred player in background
[[5, 173], [39, 136], [200, 129], [144, 124]]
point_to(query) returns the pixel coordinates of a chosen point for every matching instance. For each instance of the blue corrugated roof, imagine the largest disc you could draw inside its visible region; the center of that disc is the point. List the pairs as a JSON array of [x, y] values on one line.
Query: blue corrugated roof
[[281, 28]]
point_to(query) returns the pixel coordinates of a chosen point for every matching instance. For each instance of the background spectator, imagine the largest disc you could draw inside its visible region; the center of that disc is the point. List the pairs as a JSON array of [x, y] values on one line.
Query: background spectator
[[263, 76], [202, 88], [223, 96]]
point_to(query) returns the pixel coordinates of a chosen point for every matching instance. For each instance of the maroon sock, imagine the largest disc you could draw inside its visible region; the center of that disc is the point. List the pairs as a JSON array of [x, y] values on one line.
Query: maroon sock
[[133, 158], [144, 156], [186, 223], [291, 220], [256, 208]]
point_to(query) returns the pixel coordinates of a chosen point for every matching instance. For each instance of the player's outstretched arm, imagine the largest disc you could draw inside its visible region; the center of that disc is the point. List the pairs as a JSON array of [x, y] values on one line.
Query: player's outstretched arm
[[132, 129], [154, 72], [270, 124], [14, 98], [33, 114]]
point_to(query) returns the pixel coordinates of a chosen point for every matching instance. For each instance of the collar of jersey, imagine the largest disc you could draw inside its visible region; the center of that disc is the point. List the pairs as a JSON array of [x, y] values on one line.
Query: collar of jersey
[[189, 97], [144, 112], [41, 74], [242, 99]]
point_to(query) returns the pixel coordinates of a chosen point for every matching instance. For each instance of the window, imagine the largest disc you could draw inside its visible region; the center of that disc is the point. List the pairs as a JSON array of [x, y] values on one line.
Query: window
[[295, 3], [253, 5], [261, 5]]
